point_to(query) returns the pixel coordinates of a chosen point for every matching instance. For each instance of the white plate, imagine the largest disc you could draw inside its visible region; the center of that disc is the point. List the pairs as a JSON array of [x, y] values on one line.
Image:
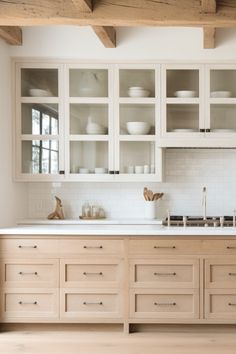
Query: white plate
[[183, 130], [40, 93], [185, 94], [223, 130], [221, 94]]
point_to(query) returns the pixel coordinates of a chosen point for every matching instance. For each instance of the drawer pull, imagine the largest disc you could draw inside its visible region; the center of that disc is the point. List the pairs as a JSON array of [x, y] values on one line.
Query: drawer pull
[[92, 273], [159, 247], [232, 273], [231, 304], [92, 303], [97, 247], [168, 274], [165, 303], [28, 273], [231, 247], [20, 246], [27, 303]]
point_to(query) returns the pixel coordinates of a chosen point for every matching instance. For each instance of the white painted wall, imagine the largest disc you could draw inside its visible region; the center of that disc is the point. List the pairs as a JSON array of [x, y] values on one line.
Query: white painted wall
[[187, 171], [13, 196]]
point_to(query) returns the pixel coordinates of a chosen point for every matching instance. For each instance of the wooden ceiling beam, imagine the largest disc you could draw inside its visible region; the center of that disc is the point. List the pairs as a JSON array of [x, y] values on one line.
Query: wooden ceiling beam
[[209, 6], [117, 13], [209, 38], [83, 5], [107, 35], [11, 35]]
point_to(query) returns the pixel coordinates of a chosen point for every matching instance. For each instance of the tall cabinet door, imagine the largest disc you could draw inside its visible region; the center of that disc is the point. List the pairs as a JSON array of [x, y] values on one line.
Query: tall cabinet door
[[39, 147], [221, 102], [137, 123], [89, 122], [182, 101]]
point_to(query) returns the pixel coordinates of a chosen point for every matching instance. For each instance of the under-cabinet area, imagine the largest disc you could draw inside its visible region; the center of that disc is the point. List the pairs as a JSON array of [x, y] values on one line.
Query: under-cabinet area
[[112, 122], [125, 280]]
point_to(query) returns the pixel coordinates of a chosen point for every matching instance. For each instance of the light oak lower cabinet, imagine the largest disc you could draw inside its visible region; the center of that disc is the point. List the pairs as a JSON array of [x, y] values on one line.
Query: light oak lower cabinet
[[127, 280]]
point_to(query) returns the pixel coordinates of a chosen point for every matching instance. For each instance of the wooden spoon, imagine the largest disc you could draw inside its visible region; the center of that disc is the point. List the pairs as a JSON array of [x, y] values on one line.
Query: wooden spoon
[[145, 193], [150, 195]]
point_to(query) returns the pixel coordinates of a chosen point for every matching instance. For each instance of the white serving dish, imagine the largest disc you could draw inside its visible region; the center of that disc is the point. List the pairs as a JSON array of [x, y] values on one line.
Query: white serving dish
[[94, 128], [221, 94], [185, 94], [40, 93], [138, 92], [100, 170], [138, 128]]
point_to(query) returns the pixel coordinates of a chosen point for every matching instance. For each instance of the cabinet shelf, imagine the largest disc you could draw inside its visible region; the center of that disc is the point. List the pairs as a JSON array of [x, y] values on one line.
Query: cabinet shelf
[[194, 100], [89, 100], [137, 137], [86, 137], [137, 100], [40, 100]]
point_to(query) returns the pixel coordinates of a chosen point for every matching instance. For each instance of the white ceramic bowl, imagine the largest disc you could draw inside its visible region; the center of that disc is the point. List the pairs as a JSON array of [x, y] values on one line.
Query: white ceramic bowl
[[83, 170], [185, 94], [39, 93], [138, 92], [221, 94], [100, 170], [138, 128]]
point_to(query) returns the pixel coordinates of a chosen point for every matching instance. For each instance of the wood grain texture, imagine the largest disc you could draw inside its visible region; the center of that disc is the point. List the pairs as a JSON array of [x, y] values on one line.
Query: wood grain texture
[[209, 6], [117, 13], [107, 35], [165, 340], [209, 38], [12, 35], [83, 5]]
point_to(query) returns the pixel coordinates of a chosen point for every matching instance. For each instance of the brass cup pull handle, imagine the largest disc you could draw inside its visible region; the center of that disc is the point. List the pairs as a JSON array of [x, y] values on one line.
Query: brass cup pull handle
[[232, 273], [168, 274], [159, 247], [34, 246], [97, 247], [27, 303], [165, 303], [231, 247], [92, 273], [231, 304], [92, 303], [28, 273]]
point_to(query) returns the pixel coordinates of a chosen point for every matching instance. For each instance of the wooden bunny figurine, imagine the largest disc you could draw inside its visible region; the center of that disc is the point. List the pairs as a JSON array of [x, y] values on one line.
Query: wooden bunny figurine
[[58, 212]]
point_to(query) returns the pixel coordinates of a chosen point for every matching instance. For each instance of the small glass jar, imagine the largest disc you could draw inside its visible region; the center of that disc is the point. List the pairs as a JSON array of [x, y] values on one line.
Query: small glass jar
[[86, 210]]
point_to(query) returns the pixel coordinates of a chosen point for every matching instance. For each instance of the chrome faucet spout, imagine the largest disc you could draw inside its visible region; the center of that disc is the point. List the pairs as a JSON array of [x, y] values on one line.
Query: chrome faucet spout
[[204, 203]]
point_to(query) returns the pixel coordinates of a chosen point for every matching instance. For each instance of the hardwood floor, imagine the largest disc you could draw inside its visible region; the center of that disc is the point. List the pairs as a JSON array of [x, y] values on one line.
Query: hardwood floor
[[164, 340]]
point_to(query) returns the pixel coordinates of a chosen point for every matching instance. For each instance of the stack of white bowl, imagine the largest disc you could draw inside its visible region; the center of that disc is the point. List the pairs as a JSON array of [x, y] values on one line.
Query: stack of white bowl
[[96, 129], [138, 91], [138, 128]]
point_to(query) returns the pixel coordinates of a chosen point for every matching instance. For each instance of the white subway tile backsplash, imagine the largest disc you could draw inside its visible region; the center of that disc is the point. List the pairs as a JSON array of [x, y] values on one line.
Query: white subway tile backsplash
[[186, 172]]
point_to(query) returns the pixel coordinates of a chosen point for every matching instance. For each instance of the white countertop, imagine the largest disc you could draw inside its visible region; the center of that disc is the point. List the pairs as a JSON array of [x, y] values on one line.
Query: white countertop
[[116, 230]]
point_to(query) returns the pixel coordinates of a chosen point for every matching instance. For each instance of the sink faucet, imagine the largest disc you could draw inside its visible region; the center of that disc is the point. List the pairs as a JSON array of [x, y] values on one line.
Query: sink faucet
[[204, 202]]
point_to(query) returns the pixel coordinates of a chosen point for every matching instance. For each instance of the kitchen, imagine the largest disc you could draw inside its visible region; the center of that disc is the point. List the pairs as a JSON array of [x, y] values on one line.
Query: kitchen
[[134, 290]]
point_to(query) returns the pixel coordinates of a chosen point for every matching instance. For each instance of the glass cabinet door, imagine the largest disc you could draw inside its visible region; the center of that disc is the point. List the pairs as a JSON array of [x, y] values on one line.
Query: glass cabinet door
[[89, 127], [39, 123], [182, 100], [137, 122], [221, 101]]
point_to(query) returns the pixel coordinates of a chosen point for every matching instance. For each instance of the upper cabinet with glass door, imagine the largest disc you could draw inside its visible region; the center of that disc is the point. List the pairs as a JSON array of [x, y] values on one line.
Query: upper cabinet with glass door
[[89, 124], [221, 101], [137, 119], [182, 101], [39, 146]]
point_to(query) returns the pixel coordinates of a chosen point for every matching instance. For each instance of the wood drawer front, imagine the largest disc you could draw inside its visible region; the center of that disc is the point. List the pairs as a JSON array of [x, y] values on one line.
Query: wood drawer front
[[220, 304], [30, 273], [220, 273], [163, 303], [78, 304], [32, 247], [92, 247], [165, 273], [91, 273], [222, 247], [30, 305], [164, 247]]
